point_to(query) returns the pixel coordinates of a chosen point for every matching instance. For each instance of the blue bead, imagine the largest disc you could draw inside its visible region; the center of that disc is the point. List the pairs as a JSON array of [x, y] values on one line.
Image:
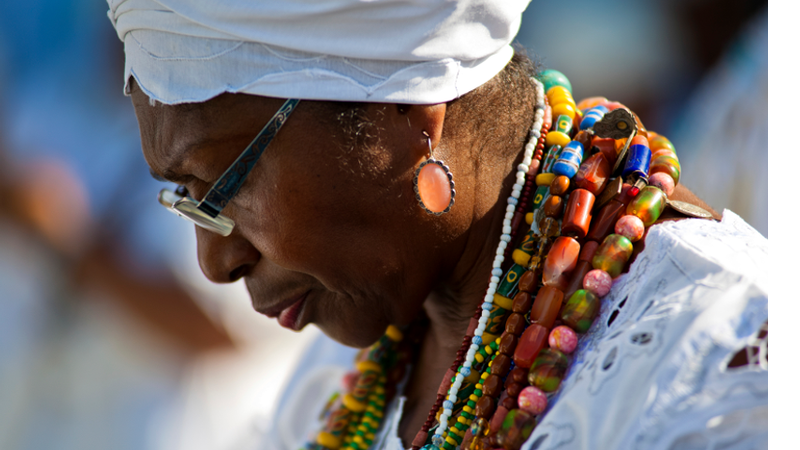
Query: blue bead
[[638, 161], [465, 371], [569, 160], [487, 306], [477, 340], [447, 404]]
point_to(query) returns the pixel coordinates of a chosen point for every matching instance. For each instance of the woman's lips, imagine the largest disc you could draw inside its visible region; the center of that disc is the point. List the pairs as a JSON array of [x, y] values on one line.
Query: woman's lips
[[289, 317]]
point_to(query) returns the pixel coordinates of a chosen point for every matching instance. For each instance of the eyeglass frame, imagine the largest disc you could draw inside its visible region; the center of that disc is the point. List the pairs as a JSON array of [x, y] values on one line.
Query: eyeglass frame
[[207, 212]]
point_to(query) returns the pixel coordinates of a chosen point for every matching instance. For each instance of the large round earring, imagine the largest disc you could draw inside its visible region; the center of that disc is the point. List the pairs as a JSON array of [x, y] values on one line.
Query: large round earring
[[433, 184]]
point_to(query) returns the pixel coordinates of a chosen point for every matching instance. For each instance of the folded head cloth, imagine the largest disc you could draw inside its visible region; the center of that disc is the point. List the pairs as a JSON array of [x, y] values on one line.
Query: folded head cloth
[[399, 51]]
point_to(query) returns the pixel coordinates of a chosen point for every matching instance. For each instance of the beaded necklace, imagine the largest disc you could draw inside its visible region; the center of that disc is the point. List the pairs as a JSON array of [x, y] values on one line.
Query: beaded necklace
[[584, 216]]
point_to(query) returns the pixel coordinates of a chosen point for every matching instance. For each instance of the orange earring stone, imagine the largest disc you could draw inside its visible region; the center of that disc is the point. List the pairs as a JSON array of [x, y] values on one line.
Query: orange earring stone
[[434, 187]]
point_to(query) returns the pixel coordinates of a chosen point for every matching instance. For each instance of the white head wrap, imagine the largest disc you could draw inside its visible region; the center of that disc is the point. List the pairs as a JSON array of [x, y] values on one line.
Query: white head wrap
[[400, 51]]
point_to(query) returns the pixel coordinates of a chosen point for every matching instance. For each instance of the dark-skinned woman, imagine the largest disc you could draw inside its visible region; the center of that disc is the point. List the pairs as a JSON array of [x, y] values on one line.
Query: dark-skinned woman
[[398, 175]]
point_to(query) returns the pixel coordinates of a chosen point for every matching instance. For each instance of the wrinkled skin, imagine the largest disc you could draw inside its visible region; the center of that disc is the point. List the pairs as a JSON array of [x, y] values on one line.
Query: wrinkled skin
[[343, 225]]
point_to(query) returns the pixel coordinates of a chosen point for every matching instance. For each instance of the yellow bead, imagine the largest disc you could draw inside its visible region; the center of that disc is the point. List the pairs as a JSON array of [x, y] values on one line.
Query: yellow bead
[[363, 446], [358, 439], [565, 109], [529, 218], [463, 420], [467, 409], [478, 357], [326, 439], [363, 366], [545, 179], [488, 350], [362, 428], [479, 386], [503, 302], [473, 397], [380, 390], [488, 337], [370, 436], [352, 404], [484, 375], [521, 258], [558, 90], [393, 333], [556, 138], [451, 441]]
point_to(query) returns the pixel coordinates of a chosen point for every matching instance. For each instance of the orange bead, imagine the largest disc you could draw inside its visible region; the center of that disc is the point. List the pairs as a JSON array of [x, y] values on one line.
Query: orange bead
[[546, 306], [560, 261], [578, 214]]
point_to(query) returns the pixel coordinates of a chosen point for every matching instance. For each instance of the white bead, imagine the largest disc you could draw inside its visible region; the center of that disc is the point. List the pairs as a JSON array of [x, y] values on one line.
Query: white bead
[[512, 201], [509, 215], [485, 314], [459, 378], [480, 328], [488, 297], [523, 168], [493, 284], [507, 230], [502, 244], [515, 194], [505, 237], [475, 347], [498, 273], [496, 263], [494, 279], [510, 208]]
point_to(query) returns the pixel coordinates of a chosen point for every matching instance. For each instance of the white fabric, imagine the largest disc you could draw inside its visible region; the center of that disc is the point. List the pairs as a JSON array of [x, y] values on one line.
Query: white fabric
[[654, 377], [401, 51]]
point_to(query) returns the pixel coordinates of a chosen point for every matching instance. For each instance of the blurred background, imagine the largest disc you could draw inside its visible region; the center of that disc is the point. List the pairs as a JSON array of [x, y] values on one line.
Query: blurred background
[[110, 337]]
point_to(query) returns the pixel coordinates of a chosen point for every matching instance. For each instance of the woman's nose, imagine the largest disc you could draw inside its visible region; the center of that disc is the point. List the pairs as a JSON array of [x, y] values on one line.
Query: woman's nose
[[225, 259]]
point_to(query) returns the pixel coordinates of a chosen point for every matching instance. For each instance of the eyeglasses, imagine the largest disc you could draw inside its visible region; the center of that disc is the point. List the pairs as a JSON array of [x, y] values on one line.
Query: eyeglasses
[[206, 212]]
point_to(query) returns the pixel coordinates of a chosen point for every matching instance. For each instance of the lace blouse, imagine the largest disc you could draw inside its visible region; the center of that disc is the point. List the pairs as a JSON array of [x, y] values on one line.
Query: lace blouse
[[653, 372]]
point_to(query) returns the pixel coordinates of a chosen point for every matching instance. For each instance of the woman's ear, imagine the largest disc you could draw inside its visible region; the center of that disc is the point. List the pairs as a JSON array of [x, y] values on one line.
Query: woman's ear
[[414, 122]]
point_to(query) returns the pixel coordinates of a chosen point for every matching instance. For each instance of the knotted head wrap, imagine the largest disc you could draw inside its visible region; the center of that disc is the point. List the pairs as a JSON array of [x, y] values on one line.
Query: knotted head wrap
[[399, 51]]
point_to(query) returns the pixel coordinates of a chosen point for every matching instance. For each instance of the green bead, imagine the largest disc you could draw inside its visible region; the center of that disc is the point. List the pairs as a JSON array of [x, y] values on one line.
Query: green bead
[[551, 77], [471, 404], [613, 254], [580, 310], [460, 426], [548, 369]]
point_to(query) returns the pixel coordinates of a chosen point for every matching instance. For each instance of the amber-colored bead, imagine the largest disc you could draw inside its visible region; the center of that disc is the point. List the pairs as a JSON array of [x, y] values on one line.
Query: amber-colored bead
[[528, 281], [577, 275], [529, 345], [612, 255], [553, 206], [549, 227], [604, 222], [500, 365], [593, 174], [559, 185], [518, 375], [515, 324], [546, 306], [560, 261], [514, 389], [522, 301], [484, 407], [578, 214], [585, 138], [508, 342], [588, 250], [509, 403], [492, 385], [607, 148]]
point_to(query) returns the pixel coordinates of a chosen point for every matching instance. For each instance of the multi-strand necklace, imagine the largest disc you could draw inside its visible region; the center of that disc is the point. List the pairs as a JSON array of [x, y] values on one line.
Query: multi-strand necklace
[[602, 180]]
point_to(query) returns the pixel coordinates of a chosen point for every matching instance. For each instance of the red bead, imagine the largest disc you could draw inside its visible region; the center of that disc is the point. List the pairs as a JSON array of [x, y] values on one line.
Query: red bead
[[492, 386], [508, 342], [529, 345], [578, 214], [514, 389], [522, 302], [546, 306]]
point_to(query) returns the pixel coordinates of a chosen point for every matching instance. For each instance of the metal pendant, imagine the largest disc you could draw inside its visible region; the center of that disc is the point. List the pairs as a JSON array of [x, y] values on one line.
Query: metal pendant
[[689, 209]]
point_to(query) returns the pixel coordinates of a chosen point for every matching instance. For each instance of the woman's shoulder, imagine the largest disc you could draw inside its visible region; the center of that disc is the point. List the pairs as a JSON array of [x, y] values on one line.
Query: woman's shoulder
[[654, 370]]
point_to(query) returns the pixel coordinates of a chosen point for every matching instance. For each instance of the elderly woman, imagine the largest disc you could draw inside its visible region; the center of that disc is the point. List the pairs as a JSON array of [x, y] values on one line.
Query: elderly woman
[[396, 174]]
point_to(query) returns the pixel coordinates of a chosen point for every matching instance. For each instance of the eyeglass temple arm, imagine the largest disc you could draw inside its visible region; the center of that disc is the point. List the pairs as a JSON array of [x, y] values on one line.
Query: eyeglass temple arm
[[229, 183]]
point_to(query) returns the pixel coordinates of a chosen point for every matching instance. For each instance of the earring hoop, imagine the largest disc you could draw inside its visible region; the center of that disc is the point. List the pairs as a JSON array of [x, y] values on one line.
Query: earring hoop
[[433, 184]]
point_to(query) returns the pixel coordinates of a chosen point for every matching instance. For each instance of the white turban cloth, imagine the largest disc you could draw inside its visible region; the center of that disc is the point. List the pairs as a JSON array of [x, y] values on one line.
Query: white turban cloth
[[398, 51]]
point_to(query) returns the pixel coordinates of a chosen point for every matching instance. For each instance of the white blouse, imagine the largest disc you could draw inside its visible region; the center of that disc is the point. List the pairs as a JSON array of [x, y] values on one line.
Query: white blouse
[[652, 372]]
